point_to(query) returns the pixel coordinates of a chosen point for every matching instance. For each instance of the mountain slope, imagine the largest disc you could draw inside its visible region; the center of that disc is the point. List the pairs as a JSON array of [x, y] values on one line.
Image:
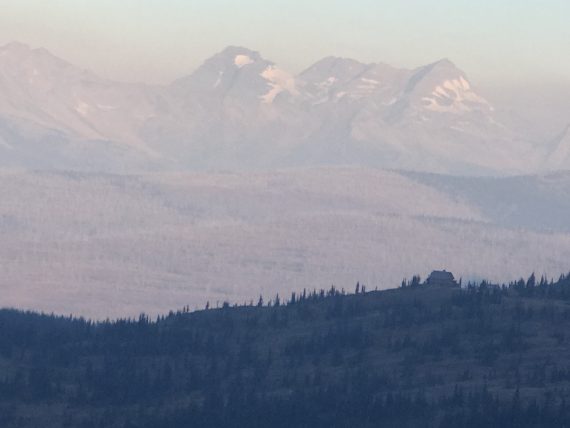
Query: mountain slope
[[56, 115]]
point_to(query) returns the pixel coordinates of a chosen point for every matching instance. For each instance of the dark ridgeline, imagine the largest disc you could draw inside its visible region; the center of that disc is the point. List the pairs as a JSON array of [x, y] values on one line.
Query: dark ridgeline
[[418, 356]]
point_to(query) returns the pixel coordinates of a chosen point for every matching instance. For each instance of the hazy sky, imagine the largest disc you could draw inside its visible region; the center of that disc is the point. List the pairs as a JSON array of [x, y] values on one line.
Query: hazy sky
[[500, 41]]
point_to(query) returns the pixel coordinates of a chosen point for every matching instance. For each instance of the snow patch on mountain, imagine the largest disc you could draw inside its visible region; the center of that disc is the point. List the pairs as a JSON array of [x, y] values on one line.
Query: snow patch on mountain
[[280, 81], [219, 79], [242, 60], [454, 96]]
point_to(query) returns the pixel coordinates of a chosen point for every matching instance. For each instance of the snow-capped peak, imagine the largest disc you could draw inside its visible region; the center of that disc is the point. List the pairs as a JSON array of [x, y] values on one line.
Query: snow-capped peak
[[237, 56], [239, 76], [441, 87], [242, 60], [222, 72]]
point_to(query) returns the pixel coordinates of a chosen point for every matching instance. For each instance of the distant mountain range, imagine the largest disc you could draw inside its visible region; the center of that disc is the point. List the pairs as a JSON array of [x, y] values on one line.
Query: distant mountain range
[[239, 110]]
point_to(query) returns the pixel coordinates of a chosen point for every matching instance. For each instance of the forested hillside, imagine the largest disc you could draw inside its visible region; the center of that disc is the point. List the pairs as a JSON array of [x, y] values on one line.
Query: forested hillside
[[417, 356], [101, 245]]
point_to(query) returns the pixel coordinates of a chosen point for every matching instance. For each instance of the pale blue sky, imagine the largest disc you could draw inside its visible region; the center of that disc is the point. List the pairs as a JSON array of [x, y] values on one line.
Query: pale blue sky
[[501, 41]]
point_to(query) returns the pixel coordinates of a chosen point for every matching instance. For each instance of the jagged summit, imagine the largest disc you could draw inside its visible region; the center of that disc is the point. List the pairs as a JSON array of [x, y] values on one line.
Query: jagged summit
[[443, 88], [18, 48], [234, 56], [22, 52], [334, 66], [220, 72], [443, 63], [232, 51], [238, 74]]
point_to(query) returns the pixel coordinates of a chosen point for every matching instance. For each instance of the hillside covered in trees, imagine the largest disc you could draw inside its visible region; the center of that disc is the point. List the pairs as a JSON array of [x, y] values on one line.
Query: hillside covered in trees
[[417, 356]]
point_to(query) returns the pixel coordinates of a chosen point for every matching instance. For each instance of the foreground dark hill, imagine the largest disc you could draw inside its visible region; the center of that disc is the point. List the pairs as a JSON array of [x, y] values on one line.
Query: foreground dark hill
[[417, 356]]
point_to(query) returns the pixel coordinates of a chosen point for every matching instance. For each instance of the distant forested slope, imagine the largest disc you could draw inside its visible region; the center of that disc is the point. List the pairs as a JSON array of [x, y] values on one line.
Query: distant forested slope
[[416, 356], [102, 245]]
